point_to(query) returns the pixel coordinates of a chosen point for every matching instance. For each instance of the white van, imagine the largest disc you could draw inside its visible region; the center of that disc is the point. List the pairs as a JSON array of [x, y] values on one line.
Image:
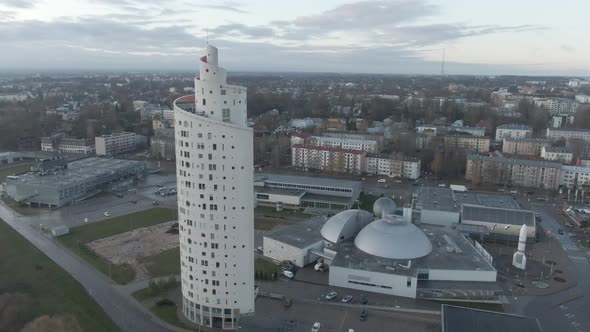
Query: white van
[[288, 274]]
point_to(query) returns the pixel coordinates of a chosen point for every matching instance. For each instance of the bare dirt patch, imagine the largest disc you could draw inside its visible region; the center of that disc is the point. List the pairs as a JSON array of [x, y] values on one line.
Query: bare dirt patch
[[128, 247]]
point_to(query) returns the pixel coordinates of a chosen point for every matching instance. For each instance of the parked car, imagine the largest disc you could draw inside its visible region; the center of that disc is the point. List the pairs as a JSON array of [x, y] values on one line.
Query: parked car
[[259, 250], [154, 203], [560, 231], [107, 214], [538, 217], [160, 185], [397, 181], [288, 274], [120, 195], [316, 327], [364, 315], [347, 299], [381, 180], [364, 300], [332, 295], [133, 202]]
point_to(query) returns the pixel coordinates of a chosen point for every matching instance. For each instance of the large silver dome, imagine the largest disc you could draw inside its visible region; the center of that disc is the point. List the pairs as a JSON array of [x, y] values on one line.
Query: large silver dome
[[383, 206], [393, 238], [345, 225]]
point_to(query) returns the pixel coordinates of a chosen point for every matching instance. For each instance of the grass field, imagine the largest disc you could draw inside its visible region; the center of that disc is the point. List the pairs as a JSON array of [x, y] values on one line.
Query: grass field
[[269, 211], [4, 172], [264, 224], [45, 288], [79, 236], [164, 264], [155, 289], [169, 314], [264, 268]]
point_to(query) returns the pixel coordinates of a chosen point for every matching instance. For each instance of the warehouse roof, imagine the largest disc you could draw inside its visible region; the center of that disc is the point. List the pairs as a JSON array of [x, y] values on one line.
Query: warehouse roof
[[300, 235], [307, 180], [497, 215], [461, 319]]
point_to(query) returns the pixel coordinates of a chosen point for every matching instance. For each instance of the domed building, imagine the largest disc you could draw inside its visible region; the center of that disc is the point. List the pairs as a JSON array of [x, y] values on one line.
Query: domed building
[[388, 253]]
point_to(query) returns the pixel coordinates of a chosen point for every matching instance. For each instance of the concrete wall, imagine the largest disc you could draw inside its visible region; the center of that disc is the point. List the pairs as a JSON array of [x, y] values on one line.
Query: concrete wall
[[434, 217], [280, 251], [462, 275], [275, 198], [393, 284]]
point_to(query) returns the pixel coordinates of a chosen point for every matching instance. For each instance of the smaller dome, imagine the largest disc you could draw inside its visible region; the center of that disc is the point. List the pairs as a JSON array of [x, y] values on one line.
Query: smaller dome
[[393, 238], [383, 206], [345, 225]]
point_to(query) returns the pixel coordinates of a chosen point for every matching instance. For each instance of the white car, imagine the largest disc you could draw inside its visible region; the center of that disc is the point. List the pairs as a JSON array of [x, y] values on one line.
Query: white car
[[332, 295], [107, 214], [347, 299], [316, 327], [288, 274], [381, 180]]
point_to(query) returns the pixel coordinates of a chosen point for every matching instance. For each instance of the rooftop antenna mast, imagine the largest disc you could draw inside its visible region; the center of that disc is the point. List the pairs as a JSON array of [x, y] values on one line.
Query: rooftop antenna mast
[[442, 67]]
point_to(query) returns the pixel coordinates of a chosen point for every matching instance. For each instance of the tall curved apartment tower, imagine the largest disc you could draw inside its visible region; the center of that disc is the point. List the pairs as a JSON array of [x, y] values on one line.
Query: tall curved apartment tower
[[214, 162]]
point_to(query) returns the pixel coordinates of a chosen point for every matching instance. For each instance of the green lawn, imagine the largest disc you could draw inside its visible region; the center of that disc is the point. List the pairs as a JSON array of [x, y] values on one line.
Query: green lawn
[[79, 236], [44, 288], [264, 224], [482, 306], [155, 289], [163, 264], [264, 268], [22, 168], [270, 211], [169, 314]]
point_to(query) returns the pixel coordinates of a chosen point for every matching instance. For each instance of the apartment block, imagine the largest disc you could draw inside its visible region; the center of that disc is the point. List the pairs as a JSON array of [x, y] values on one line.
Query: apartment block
[[526, 146], [110, 145], [561, 154], [357, 135], [455, 141], [328, 158], [568, 133], [344, 143], [393, 165], [513, 130], [67, 145], [514, 172]]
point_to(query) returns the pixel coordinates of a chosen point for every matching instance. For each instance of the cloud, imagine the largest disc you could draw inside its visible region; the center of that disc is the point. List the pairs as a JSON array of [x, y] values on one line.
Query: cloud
[[227, 6], [567, 48], [18, 3], [241, 30]]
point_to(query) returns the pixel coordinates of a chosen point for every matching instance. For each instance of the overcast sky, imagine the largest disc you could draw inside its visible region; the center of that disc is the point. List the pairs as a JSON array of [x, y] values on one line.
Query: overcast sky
[[537, 37]]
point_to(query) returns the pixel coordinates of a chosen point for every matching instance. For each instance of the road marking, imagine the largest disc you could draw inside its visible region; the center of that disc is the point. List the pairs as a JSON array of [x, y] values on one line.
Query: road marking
[[569, 247], [578, 259]]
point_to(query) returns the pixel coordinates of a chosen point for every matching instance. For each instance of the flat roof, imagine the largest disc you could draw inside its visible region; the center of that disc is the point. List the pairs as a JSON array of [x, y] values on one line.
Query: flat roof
[[326, 198], [437, 198], [307, 180], [497, 215], [301, 234], [279, 191], [515, 161], [487, 199], [464, 257], [78, 171], [460, 319], [9, 154]]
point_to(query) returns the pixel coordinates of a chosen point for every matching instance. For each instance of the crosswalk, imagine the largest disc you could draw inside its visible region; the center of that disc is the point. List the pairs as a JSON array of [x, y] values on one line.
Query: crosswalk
[[578, 259], [568, 247]]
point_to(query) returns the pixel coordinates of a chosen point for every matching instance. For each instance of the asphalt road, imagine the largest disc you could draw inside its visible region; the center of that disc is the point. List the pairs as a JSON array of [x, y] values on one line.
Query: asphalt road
[[128, 314], [567, 310]]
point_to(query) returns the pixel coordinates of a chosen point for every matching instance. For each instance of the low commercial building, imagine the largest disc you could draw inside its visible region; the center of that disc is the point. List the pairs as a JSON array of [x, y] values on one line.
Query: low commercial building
[[513, 130], [110, 145], [56, 184], [393, 165], [568, 134], [9, 158], [328, 158], [460, 140], [502, 224], [514, 172], [344, 143], [163, 144], [561, 154], [297, 243], [296, 192], [68, 145], [462, 319], [526, 146]]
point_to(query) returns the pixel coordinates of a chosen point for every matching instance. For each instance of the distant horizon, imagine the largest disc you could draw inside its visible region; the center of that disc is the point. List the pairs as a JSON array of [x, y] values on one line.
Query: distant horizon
[[405, 37]]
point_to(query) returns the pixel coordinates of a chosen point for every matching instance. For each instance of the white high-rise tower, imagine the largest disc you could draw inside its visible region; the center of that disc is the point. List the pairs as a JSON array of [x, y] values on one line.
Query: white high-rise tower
[[214, 163]]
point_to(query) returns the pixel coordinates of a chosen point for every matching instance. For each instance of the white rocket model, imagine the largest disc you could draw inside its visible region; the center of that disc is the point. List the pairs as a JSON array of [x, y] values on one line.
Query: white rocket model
[[519, 258]]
